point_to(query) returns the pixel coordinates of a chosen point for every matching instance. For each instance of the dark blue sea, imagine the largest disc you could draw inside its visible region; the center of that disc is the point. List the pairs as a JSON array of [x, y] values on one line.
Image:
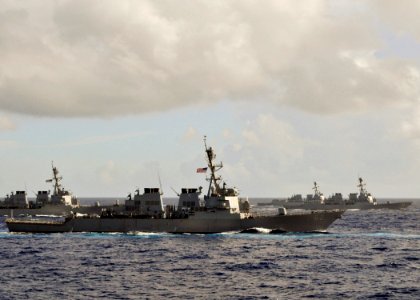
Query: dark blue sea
[[366, 254]]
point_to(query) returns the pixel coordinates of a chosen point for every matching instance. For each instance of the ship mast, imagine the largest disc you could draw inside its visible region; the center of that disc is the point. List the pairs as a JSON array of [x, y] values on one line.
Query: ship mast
[[362, 185], [56, 180], [214, 180], [316, 189]]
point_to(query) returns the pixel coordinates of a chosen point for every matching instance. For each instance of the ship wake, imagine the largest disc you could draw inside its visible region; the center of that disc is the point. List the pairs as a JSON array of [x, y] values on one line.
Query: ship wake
[[256, 230]]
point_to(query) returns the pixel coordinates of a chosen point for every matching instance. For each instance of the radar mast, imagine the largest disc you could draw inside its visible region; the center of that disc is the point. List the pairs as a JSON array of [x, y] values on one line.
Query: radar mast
[[316, 189], [362, 186], [56, 180], [214, 179]]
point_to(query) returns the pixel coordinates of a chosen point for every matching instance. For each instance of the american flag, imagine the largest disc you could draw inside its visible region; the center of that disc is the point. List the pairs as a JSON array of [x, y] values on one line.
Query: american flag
[[201, 170]]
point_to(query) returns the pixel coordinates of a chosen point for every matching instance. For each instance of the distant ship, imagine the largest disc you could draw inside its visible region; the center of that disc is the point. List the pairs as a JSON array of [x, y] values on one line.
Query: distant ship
[[220, 210], [317, 201], [60, 202]]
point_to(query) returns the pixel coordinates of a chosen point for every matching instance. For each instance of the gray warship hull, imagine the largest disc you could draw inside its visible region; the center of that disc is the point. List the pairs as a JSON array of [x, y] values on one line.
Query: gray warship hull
[[314, 222], [359, 206], [39, 226], [51, 209]]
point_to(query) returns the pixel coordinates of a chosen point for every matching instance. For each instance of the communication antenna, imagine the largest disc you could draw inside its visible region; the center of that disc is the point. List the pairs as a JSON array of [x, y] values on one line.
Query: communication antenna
[[160, 182], [175, 191]]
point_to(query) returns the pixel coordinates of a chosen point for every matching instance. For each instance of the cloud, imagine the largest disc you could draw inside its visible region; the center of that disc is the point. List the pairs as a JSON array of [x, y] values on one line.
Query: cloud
[[108, 172], [8, 143], [403, 19], [277, 139], [281, 145], [190, 134], [98, 139], [111, 58], [410, 127], [6, 124]]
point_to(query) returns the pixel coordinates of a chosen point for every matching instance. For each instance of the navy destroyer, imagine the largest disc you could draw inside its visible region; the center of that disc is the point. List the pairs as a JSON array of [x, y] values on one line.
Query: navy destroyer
[[317, 201], [60, 202], [220, 210]]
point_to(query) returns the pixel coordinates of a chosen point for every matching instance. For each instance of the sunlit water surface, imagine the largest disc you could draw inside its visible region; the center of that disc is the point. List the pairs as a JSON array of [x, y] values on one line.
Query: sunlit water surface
[[366, 254]]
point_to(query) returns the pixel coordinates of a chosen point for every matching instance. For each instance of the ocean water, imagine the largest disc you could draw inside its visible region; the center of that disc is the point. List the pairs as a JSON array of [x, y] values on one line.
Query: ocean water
[[365, 254]]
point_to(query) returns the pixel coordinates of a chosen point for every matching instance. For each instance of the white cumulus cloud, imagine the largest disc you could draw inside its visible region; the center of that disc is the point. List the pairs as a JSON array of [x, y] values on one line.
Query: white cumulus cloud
[[110, 58]]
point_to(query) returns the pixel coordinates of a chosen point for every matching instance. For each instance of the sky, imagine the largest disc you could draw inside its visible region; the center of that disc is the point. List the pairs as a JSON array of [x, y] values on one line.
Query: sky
[[119, 94]]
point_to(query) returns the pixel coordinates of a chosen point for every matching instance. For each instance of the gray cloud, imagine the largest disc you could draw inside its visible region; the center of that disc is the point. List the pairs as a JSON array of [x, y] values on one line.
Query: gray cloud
[[110, 58]]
